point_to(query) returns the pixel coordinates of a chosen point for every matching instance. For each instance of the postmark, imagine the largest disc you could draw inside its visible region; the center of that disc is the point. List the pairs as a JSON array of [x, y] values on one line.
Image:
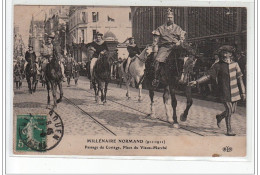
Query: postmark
[[37, 132]]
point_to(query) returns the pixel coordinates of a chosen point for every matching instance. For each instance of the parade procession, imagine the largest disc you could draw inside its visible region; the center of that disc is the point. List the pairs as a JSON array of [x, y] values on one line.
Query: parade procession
[[150, 71]]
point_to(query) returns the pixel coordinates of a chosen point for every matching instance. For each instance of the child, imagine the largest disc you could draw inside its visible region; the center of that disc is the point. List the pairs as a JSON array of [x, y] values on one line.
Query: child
[[17, 75], [230, 82]]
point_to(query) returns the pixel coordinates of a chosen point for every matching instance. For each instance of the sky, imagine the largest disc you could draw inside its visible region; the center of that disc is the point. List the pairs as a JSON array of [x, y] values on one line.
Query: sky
[[23, 16]]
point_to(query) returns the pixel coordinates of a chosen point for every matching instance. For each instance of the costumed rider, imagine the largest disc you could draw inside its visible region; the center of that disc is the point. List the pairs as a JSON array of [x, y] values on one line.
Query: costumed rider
[[30, 57], [133, 50], [48, 52], [166, 38], [230, 83], [99, 46]]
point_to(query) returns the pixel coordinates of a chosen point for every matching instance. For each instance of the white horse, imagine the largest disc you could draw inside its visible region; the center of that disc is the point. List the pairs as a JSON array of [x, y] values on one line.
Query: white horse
[[136, 71]]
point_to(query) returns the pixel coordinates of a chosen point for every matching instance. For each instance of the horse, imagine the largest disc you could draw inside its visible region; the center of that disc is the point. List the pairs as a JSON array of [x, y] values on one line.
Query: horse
[[102, 76], [31, 76], [53, 78], [136, 70], [90, 53], [169, 80]]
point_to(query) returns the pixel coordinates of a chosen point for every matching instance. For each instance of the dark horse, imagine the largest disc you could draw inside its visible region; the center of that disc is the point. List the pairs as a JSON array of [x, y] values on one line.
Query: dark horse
[[31, 76], [102, 76], [53, 78], [169, 80]]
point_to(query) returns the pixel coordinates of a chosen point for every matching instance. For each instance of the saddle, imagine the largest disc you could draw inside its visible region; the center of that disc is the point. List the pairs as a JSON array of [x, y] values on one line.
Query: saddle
[[125, 62], [31, 67]]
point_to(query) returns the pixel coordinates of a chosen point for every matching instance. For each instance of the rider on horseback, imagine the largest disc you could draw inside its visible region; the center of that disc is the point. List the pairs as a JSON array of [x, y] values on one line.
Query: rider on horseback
[[48, 53], [133, 51], [30, 57], [99, 46], [167, 37]]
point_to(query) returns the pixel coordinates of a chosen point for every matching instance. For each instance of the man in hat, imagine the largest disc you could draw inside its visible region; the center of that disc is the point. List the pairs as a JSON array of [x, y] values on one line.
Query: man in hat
[[49, 52], [133, 50], [48, 47], [231, 85], [167, 37], [100, 47], [30, 57]]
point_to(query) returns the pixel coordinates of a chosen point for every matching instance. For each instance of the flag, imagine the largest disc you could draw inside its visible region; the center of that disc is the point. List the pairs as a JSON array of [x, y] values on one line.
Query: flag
[[110, 19]]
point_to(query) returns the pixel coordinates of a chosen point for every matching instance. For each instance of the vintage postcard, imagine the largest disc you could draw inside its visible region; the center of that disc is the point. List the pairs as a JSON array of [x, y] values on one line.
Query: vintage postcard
[[130, 80]]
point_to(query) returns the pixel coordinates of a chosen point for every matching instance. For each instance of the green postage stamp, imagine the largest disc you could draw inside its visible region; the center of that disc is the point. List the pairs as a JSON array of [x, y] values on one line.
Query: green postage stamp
[[38, 132], [31, 132]]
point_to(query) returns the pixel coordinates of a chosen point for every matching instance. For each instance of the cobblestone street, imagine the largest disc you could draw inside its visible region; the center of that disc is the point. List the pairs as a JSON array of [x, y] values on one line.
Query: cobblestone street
[[125, 117]]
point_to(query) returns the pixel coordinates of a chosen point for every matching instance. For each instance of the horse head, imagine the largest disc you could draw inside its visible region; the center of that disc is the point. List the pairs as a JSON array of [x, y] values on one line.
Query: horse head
[[105, 57], [145, 53]]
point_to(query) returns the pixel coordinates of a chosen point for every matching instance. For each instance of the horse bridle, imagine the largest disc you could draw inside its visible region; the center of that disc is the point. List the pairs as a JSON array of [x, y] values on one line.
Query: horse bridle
[[145, 57]]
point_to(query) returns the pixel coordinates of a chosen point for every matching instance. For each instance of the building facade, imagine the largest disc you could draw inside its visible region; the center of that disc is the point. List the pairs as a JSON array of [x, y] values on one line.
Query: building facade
[[86, 22], [18, 45], [36, 36], [57, 23], [206, 27]]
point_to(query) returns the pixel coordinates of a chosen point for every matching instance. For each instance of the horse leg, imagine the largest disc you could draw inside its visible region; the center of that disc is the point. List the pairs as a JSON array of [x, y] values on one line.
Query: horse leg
[[68, 80], [152, 112], [140, 89], [54, 89], [127, 88], [121, 82], [102, 91], [76, 81], [35, 82], [167, 105], [32, 84], [98, 93], [184, 115], [61, 92], [48, 98], [95, 89], [111, 72], [174, 106], [29, 84], [105, 93]]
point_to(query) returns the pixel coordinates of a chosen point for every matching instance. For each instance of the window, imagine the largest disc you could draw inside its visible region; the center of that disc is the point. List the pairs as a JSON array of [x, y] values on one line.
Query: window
[[83, 17], [94, 16], [94, 34], [130, 16], [83, 36]]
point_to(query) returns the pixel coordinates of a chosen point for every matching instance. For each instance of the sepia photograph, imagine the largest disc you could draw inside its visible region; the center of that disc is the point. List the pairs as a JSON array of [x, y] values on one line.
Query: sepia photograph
[[130, 80]]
